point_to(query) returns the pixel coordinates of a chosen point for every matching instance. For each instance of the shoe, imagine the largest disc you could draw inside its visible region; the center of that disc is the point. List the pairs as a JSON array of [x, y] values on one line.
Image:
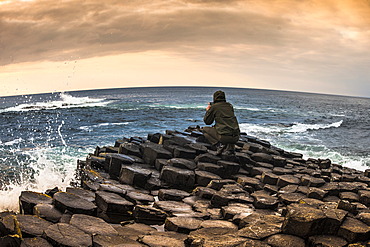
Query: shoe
[[220, 148]]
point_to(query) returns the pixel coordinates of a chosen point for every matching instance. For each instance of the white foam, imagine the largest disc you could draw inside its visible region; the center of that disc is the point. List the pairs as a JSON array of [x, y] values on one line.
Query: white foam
[[67, 101], [91, 127], [298, 127], [13, 142]]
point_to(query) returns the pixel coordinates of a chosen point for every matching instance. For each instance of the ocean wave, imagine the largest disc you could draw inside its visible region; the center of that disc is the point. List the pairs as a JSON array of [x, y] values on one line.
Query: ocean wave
[[286, 128], [66, 101], [179, 106], [11, 143], [91, 127]]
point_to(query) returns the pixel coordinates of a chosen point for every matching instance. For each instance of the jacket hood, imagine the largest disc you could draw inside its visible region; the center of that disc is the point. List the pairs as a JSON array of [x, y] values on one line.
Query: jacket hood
[[219, 96]]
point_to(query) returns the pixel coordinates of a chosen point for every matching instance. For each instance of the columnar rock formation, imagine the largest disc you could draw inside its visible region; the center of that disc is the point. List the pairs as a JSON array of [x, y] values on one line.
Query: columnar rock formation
[[172, 190]]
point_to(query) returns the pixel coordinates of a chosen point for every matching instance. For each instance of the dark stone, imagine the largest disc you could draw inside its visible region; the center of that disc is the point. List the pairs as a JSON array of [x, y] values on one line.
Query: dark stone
[[265, 202], [259, 226], [75, 204], [138, 197], [281, 171], [29, 199], [289, 198], [47, 212], [255, 171], [62, 234], [111, 202], [218, 184], [179, 178], [215, 236], [204, 192], [203, 178], [182, 163], [160, 163], [284, 240], [116, 162], [151, 152], [230, 168], [262, 157], [172, 195], [207, 158], [11, 241], [31, 225], [114, 188], [182, 224], [92, 225], [349, 196], [198, 147], [278, 161], [273, 189], [135, 174], [248, 181], [326, 241], [33, 242], [269, 178], [210, 167], [228, 212], [51, 192], [149, 215], [312, 181], [348, 206], [364, 197], [186, 153], [162, 240], [129, 149], [364, 217], [172, 207], [316, 193], [85, 194], [354, 230], [285, 180]]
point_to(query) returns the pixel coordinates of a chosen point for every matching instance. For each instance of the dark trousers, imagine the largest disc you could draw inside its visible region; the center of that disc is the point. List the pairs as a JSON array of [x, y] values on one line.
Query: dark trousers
[[214, 137]]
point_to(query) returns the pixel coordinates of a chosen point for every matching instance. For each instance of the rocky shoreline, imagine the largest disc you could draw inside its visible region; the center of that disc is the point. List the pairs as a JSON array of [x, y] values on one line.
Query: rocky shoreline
[[171, 190]]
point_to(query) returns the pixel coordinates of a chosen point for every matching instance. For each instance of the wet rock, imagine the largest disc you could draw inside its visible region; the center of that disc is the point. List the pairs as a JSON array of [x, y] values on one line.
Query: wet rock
[[151, 152], [29, 199], [138, 197], [182, 224], [62, 234], [228, 212], [104, 240], [284, 240], [134, 174], [316, 193], [218, 224], [312, 181], [354, 230], [278, 161], [182, 163], [303, 221], [326, 241], [207, 158], [129, 149], [149, 215], [160, 163], [255, 171], [230, 168], [212, 237], [186, 153], [269, 178], [177, 177], [364, 197], [272, 189], [203, 178], [262, 157], [67, 201], [289, 198], [210, 167], [116, 162], [162, 241], [85, 194], [198, 147], [218, 184], [31, 225], [204, 192], [172, 195], [252, 182], [33, 242], [172, 207], [265, 202], [111, 202], [92, 225], [118, 189], [285, 180], [47, 212]]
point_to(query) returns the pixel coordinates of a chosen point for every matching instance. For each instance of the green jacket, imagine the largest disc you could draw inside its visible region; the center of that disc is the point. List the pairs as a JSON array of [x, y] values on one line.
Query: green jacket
[[223, 114]]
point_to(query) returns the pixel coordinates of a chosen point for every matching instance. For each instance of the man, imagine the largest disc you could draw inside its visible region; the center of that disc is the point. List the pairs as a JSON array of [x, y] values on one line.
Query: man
[[225, 132]]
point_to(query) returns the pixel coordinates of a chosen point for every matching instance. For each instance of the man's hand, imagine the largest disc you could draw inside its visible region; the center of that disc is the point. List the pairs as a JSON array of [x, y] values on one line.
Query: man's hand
[[208, 107]]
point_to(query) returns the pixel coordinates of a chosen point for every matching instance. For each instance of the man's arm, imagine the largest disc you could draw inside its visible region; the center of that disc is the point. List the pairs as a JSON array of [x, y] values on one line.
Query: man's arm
[[209, 116]]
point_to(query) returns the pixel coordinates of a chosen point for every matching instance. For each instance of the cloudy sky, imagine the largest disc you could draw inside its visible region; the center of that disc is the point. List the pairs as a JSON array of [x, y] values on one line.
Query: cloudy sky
[[300, 45]]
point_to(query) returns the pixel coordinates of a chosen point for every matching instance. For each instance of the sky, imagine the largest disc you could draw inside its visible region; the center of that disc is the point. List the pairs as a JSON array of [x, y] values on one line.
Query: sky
[[296, 45]]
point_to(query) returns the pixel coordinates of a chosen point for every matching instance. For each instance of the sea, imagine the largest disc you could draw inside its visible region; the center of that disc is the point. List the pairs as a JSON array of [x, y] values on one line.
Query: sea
[[42, 136]]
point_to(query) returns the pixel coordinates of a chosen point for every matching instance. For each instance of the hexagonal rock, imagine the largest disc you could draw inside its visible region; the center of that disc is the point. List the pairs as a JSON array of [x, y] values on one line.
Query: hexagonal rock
[[228, 212], [278, 161], [85, 194], [210, 167], [203, 178], [149, 215], [104, 240], [111, 202], [138, 197], [289, 198], [349, 196], [303, 221], [31, 225], [354, 230], [129, 149], [204, 192], [213, 237], [230, 168], [207, 157], [218, 184], [172, 195], [182, 163], [92, 225], [177, 177], [134, 175], [115, 163], [265, 201], [172, 207], [29, 199], [219, 224], [186, 153], [327, 241], [312, 181], [269, 178], [33, 242], [73, 203], [182, 224], [316, 193], [253, 182], [47, 212], [364, 217], [161, 241], [151, 152], [364, 197], [253, 243], [260, 229], [285, 180], [11, 240], [62, 234], [248, 220], [262, 157], [255, 171], [284, 240]]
